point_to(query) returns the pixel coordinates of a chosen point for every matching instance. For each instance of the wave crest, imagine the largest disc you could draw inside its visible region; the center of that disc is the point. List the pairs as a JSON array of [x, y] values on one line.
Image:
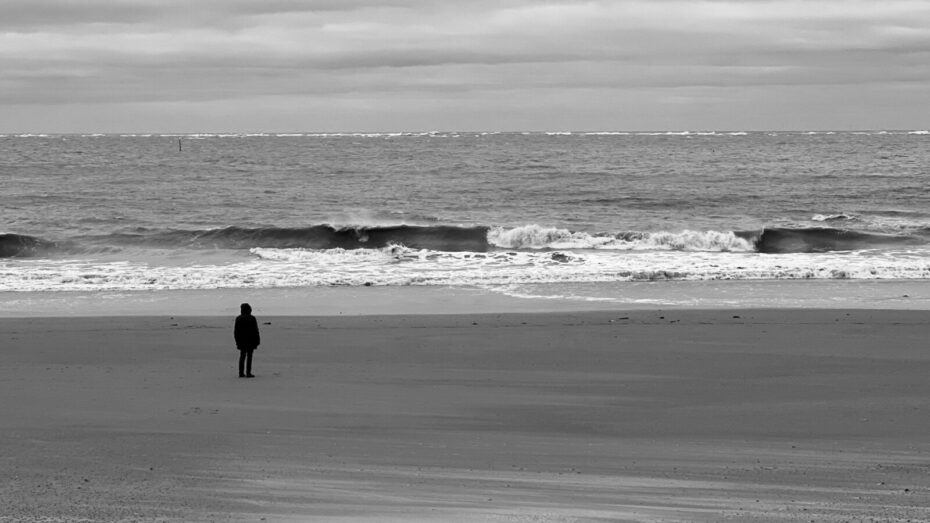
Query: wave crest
[[778, 240], [833, 217], [21, 245], [476, 239], [537, 237]]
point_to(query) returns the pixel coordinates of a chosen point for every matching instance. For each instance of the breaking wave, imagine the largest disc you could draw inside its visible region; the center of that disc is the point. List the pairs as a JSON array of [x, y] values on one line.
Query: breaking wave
[[21, 245], [814, 240], [449, 238], [536, 237], [437, 237]]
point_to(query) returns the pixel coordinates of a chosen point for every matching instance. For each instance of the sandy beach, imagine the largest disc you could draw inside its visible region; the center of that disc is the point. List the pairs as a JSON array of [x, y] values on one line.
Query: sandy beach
[[684, 415]]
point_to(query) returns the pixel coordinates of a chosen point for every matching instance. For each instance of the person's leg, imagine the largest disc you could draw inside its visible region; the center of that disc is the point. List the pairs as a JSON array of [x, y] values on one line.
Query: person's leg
[[242, 362], [248, 364]]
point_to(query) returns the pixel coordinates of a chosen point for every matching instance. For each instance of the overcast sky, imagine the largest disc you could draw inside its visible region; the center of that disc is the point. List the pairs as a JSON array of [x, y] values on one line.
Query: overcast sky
[[415, 65]]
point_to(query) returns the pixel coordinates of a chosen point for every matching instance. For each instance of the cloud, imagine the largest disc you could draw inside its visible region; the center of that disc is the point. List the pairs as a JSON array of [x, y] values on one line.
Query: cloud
[[146, 51]]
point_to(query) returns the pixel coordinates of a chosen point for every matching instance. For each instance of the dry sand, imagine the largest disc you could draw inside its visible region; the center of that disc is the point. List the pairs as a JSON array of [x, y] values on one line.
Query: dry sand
[[755, 415]]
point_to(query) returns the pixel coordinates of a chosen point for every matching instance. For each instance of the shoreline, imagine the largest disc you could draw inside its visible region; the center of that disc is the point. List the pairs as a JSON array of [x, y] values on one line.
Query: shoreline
[[645, 415], [336, 301]]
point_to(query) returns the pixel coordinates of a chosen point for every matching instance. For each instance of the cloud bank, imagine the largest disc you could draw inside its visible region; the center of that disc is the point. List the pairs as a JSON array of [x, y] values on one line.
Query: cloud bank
[[144, 65]]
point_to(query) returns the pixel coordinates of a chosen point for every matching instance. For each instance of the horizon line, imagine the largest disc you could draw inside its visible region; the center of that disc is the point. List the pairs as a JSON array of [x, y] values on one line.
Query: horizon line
[[448, 132]]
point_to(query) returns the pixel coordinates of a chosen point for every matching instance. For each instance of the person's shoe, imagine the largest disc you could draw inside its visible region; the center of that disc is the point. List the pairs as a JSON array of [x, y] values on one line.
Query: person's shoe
[[249, 375], [242, 375]]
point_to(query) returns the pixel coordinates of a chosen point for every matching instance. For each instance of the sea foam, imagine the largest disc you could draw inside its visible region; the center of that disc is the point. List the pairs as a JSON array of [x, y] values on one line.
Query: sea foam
[[537, 237], [397, 265]]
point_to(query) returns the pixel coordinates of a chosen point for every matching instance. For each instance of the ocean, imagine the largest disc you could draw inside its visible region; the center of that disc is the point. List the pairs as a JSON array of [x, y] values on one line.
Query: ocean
[[590, 218]]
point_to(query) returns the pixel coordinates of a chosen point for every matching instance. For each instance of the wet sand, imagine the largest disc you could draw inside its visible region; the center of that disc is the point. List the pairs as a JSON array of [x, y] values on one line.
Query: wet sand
[[697, 415]]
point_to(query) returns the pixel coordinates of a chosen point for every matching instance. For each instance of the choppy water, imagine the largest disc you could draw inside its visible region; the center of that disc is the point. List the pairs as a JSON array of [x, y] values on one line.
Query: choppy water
[[85, 213]]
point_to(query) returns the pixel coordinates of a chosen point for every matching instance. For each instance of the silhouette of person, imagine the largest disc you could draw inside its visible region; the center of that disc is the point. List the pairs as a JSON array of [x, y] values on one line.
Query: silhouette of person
[[247, 339]]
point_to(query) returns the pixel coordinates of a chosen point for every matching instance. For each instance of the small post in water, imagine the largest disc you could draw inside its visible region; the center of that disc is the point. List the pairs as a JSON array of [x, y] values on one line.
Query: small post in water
[[179, 145]]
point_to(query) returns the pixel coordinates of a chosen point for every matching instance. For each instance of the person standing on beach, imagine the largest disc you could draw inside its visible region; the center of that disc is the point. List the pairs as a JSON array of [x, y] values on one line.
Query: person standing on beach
[[247, 339]]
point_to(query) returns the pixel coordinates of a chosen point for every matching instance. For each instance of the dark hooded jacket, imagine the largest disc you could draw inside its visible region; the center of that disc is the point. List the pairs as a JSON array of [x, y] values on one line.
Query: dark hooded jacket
[[246, 332]]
